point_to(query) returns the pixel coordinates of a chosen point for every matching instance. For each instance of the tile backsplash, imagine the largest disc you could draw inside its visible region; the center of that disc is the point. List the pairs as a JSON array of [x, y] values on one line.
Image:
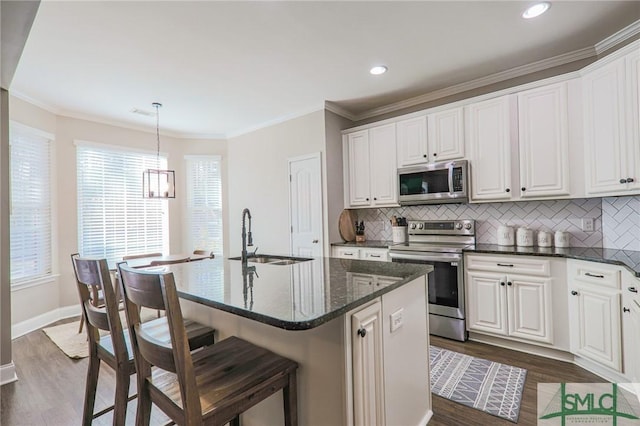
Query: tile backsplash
[[621, 223], [552, 215]]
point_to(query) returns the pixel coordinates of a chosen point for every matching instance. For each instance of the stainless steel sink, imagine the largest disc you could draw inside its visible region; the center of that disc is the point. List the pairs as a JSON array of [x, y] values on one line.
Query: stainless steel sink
[[273, 260]]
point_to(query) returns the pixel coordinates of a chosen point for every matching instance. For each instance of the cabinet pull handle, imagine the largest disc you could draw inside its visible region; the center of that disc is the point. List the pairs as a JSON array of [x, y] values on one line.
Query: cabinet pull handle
[[362, 332], [633, 289], [502, 283], [348, 254], [589, 274], [374, 255], [623, 181], [509, 283], [574, 293], [507, 190], [315, 241], [505, 264], [625, 309], [629, 180]]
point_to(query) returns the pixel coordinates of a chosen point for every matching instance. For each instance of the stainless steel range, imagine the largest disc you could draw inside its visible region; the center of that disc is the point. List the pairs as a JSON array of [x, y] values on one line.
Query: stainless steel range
[[440, 244]]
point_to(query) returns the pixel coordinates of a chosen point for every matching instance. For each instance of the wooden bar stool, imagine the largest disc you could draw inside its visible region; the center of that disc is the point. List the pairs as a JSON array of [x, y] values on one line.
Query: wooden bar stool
[[213, 386], [115, 348]]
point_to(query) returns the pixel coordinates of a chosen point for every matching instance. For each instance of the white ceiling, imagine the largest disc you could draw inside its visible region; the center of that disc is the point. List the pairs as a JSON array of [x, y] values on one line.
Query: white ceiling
[[224, 68]]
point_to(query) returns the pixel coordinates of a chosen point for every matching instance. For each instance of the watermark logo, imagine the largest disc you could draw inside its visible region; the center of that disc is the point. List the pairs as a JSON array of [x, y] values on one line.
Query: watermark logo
[[587, 404]]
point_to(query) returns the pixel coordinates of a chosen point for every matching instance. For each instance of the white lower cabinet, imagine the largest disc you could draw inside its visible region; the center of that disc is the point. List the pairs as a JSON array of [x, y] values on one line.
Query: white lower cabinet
[[389, 374], [594, 310], [517, 297], [631, 329]]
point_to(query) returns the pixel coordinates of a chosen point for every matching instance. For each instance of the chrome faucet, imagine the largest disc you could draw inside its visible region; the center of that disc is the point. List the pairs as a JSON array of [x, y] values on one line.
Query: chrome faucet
[[245, 235]]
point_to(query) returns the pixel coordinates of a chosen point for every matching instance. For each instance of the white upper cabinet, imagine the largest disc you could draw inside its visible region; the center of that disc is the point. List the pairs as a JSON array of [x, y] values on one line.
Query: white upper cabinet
[[438, 136], [412, 141], [446, 134], [489, 127], [543, 137], [611, 132], [370, 167]]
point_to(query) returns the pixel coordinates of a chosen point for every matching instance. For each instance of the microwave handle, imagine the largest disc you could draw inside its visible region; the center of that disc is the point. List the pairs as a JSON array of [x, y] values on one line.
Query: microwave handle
[[451, 179]]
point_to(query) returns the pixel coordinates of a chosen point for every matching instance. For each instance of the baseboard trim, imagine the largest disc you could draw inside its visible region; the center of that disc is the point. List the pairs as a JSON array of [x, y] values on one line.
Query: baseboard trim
[[426, 418], [552, 353], [35, 323], [8, 373]]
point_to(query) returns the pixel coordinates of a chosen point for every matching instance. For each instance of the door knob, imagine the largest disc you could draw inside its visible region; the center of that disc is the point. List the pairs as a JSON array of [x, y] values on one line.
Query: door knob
[[362, 332]]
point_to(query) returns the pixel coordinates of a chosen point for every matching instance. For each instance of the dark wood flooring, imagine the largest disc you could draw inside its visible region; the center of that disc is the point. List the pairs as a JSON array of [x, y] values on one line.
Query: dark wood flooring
[[50, 389]]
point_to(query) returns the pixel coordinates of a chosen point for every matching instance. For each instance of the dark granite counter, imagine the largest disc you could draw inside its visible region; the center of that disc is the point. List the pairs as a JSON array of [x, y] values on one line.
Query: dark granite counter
[[366, 244], [627, 258], [293, 297]]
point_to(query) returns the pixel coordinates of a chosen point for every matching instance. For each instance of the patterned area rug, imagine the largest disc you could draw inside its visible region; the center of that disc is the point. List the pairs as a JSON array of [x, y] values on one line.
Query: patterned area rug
[[479, 383]]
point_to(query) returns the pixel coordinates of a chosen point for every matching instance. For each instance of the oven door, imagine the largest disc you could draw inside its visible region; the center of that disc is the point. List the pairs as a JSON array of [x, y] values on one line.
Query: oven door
[[445, 282]]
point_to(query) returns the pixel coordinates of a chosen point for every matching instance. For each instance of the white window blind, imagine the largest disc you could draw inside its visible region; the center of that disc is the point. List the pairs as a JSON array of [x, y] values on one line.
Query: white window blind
[[204, 203], [113, 218], [30, 218]]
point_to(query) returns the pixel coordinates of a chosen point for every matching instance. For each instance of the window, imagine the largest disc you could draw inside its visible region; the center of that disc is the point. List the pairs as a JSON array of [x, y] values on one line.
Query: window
[[204, 203], [113, 218], [30, 218]]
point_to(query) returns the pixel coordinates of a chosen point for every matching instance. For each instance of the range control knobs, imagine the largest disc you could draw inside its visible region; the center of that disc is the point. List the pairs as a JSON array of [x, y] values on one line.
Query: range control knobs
[[413, 226], [420, 225], [458, 225], [467, 226]]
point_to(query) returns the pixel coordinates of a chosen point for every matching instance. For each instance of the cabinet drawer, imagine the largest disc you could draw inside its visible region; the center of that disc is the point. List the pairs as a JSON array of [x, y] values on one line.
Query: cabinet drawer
[[380, 255], [601, 275], [510, 264], [347, 252]]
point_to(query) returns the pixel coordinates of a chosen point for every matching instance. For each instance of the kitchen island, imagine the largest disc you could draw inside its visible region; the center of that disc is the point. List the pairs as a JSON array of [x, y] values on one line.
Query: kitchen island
[[358, 330]]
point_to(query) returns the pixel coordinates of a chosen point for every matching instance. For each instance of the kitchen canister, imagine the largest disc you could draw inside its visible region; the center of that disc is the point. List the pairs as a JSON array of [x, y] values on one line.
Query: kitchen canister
[[562, 238], [524, 237], [545, 239], [399, 234], [505, 235]]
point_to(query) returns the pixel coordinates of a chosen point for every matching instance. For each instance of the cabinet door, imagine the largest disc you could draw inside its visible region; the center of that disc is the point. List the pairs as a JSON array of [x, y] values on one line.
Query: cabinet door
[[529, 302], [383, 170], [366, 338], [486, 303], [488, 133], [544, 141], [446, 134], [359, 185], [412, 142], [604, 131], [595, 324], [632, 343], [633, 120]]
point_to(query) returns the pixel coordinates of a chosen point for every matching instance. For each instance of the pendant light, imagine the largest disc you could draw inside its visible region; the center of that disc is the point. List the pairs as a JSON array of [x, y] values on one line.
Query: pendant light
[[157, 183]]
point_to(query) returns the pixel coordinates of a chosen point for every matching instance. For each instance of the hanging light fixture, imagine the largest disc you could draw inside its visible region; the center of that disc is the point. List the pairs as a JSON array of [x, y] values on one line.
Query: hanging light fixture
[[157, 183]]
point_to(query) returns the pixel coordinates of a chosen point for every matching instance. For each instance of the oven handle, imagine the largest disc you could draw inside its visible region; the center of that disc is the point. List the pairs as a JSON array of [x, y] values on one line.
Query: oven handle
[[431, 257]]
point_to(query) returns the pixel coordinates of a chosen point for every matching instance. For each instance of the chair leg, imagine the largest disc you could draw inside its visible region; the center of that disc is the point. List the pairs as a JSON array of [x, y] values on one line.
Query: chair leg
[[90, 389], [121, 398], [290, 396], [81, 324], [235, 421], [143, 415]]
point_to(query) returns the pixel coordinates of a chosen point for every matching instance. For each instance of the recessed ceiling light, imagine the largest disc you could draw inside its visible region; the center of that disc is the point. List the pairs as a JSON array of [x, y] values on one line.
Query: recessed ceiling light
[[536, 10], [377, 70]]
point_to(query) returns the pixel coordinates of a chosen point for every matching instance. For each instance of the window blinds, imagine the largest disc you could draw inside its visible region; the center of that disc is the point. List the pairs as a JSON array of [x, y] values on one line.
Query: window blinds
[[204, 203], [113, 218], [30, 218]]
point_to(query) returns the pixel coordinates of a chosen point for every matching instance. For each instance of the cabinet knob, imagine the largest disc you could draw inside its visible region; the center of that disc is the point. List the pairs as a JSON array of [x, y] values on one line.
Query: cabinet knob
[[633, 289], [501, 283], [523, 189], [574, 293], [315, 241], [629, 180], [625, 309], [424, 155], [367, 199], [507, 190], [623, 181], [509, 283], [362, 332], [375, 198], [435, 155]]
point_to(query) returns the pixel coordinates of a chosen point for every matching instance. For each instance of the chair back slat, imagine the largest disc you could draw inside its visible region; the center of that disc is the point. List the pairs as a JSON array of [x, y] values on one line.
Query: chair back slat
[[147, 289], [97, 317]]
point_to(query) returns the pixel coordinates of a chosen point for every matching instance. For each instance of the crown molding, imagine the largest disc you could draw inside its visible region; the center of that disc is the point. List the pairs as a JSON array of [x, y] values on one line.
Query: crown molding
[[337, 109], [277, 120], [555, 61], [35, 102], [619, 37]]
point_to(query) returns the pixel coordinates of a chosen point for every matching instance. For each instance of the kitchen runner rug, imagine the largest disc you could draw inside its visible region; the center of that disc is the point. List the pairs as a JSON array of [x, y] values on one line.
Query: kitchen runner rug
[[475, 382]]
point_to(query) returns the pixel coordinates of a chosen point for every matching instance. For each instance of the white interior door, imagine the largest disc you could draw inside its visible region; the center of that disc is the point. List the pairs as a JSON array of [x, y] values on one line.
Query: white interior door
[[305, 205]]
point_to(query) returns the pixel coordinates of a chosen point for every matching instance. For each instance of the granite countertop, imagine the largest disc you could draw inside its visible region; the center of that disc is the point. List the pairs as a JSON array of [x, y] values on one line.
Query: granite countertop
[[365, 244], [293, 297], [627, 258]]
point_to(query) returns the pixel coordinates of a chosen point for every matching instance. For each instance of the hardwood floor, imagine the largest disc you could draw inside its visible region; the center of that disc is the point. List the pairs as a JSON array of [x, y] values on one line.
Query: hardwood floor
[[50, 389]]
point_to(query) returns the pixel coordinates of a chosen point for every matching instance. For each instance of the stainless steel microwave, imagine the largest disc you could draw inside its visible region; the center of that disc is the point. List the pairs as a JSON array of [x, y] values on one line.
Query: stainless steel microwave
[[435, 183]]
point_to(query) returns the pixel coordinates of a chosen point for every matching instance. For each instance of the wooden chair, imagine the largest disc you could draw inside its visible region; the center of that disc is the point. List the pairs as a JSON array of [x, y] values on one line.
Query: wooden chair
[[213, 386], [115, 348]]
